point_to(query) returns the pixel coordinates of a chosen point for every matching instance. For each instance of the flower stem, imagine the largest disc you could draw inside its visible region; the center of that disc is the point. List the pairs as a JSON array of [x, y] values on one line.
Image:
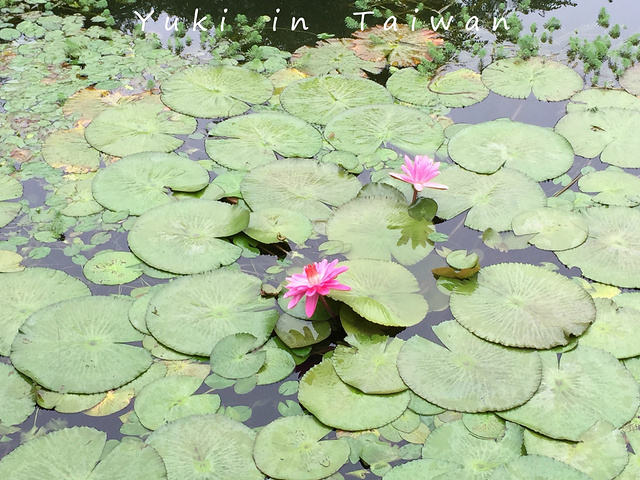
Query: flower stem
[[326, 305], [415, 196]]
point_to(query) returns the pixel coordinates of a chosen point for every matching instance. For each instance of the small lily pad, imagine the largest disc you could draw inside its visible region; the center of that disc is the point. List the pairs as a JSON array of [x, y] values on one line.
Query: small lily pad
[[113, 268], [68, 149], [553, 229], [299, 333], [273, 225], [232, 356]]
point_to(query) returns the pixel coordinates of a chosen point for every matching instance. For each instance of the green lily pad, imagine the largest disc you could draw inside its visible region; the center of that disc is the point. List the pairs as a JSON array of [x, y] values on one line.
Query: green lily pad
[[484, 425], [369, 364], [362, 130], [535, 151], [146, 180], [333, 56], [630, 80], [302, 186], [409, 85], [143, 126], [552, 228], [10, 188], [28, 291], [318, 100], [632, 470], [299, 333], [17, 398], [522, 305], [79, 198], [10, 262], [545, 468], [382, 292], [424, 469], [613, 187], [68, 402], [80, 346], [341, 406], [246, 142], [192, 314], [468, 374], [232, 356], [585, 386], [596, 98], [381, 228], [278, 364], [611, 253], [210, 92], [292, 448], [460, 88], [68, 149], [112, 268], [550, 81], [183, 237], [494, 200], [8, 211], [273, 225]]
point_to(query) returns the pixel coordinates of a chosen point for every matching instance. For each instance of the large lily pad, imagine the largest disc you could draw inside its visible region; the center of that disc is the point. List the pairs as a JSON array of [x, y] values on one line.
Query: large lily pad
[[535, 151], [545, 468], [523, 305], [183, 237], [273, 225], [145, 180], [67, 149], [585, 386], [611, 253], [552, 228], [192, 314], [596, 98], [334, 56], [249, 141], [17, 398], [613, 187], [215, 91], [143, 126], [468, 374]]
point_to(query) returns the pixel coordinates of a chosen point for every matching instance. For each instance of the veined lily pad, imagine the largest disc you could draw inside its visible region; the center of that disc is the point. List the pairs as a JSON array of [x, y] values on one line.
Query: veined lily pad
[[522, 305], [338, 405], [246, 142], [10, 188], [183, 237], [382, 292], [80, 346], [68, 402], [278, 364], [535, 151], [362, 130], [299, 333], [145, 180], [291, 448], [611, 253], [596, 98], [587, 385], [468, 374], [460, 88], [27, 292], [69, 150], [143, 126], [113, 268], [275, 225], [553, 229], [409, 85], [232, 356], [334, 56], [484, 425], [215, 91], [423, 469], [17, 398], [303, 186], [549, 80], [10, 262], [79, 198], [545, 468], [318, 100], [193, 313], [495, 200], [381, 228], [614, 187]]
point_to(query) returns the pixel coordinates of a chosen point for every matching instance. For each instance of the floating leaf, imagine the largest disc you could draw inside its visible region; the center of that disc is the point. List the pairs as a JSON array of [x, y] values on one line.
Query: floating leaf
[[401, 46], [553, 229], [630, 80], [596, 98], [298, 333], [333, 56], [273, 225], [613, 187], [484, 425], [232, 356], [460, 88], [10, 262], [17, 399], [67, 149], [112, 268], [545, 468], [424, 469]]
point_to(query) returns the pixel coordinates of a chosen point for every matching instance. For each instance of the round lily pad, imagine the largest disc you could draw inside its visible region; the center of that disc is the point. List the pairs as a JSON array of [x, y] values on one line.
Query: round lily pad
[[362, 130], [585, 386], [183, 237], [68, 402], [409, 85], [522, 305], [112, 268], [535, 151], [468, 374], [545, 468], [8, 211], [145, 180], [273, 225], [303, 186], [596, 98], [232, 356], [318, 100], [382, 292], [246, 142], [550, 81], [80, 346], [494, 200], [338, 405], [210, 92], [27, 292], [80, 201], [611, 253], [68, 149], [192, 314], [278, 363], [484, 425], [291, 448], [613, 187], [552, 228], [17, 399], [460, 88], [334, 56], [142, 126], [202, 447]]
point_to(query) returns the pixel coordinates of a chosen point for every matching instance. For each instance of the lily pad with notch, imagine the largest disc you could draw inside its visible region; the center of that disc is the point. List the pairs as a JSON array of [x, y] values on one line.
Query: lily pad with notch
[[234, 356], [613, 187], [113, 268], [552, 228]]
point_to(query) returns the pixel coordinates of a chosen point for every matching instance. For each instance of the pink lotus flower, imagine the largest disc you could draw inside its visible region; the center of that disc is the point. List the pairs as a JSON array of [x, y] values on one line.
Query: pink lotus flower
[[318, 278], [420, 172]]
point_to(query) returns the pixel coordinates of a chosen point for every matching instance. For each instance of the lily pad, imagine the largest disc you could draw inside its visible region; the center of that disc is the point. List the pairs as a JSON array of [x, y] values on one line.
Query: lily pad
[[318, 100], [232, 356], [67, 149], [630, 80], [585, 386], [338, 405], [535, 151], [183, 237], [423, 469], [80, 346], [292, 448], [549, 80], [411, 86], [299, 333], [334, 56], [460, 88], [613, 187], [553, 229], [209, 92], [10, 188], [273, 225], [484, 425], [142, 126], [193, 313], [545, 468], [362, 130], [142, 181], [596, 98], [382, 292], [17, 398], [468, 374], [80, 201], [113, 268], [522, 305], [10, 262]]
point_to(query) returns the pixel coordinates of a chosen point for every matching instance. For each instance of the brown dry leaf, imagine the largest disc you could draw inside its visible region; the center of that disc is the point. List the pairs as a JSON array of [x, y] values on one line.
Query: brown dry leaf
[[21, 155]]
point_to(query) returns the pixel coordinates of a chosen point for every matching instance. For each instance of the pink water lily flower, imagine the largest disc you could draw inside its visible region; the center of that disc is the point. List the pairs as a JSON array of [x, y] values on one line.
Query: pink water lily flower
[[419, 173], [318, 278]]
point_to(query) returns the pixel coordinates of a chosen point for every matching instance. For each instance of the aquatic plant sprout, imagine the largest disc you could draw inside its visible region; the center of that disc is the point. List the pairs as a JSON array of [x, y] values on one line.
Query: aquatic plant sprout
[[419, 173], [317, 280]]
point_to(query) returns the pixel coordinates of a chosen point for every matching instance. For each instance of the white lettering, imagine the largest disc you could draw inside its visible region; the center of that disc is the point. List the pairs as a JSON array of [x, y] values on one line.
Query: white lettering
[[474, 26], [435, 26], [295, 23], [144, 20], [362, 19], [497, 22]]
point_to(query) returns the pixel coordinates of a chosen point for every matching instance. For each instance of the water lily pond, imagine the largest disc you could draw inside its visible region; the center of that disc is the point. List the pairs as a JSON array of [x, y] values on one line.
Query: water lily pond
[[394, 253]]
